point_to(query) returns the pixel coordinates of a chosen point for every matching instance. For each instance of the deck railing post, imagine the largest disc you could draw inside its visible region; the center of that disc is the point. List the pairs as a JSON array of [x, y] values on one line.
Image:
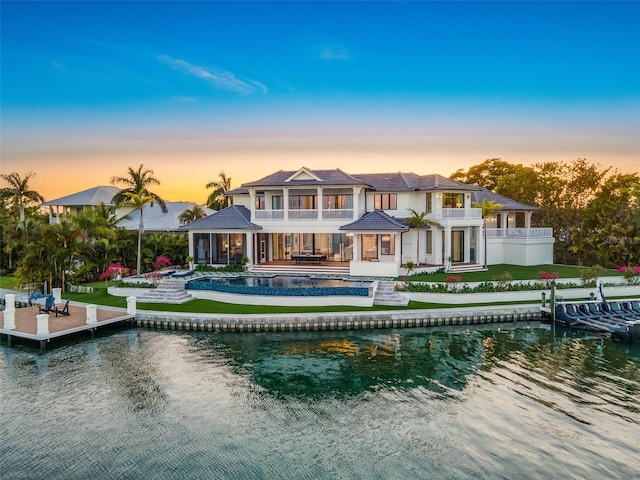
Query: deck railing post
[[43, 324], [10, 301], [131, 305], [10, 319], [57, 294], [92, 314]]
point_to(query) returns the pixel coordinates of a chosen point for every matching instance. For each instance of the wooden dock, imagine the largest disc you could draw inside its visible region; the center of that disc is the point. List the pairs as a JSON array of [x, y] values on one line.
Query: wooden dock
[[26, 324]]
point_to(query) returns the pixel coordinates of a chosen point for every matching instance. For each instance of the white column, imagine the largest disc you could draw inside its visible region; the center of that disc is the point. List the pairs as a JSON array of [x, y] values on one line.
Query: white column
[[10, 301], [252, 202], [9, 319], [92, 314], [249, 239], [285, 200], [527, 220], [357, 255], [356, 202], [131, 305], [447, 244], [319, 203], [467, 244], [43, 324]]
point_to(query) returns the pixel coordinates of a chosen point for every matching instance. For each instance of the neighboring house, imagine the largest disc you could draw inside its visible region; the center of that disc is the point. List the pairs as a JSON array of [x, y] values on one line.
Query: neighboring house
[[154, 220], [76, 202], [359, 221]]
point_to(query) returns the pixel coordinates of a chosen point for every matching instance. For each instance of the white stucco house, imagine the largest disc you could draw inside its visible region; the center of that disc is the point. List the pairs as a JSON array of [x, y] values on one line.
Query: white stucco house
[[358, 224]]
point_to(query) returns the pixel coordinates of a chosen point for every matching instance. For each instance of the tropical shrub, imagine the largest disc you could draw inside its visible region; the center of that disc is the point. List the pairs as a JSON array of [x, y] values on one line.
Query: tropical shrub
[[115, 270], [631, 274], [502, 281], [589, 276], [161, 262]]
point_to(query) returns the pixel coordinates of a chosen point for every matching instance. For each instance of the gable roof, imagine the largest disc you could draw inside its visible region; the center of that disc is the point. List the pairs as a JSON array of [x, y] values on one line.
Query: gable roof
[[155, 220], [376, 221], [507, 203], [91, 196], [235, 217], [402, 182], [305, 177]]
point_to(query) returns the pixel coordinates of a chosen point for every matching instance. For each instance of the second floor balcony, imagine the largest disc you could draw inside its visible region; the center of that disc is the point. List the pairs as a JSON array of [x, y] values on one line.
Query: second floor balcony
[[305, 214]]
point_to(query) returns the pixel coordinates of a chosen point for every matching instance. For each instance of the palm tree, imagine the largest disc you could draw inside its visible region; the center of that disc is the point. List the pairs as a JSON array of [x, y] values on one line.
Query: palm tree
[[218, 198], [487, 207], [138, 201], [192, 214], [419, 220], [136, 194], [18, 192]]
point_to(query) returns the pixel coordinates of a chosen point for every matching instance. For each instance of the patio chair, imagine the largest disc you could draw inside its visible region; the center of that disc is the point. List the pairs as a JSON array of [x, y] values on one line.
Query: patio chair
[[49, 306], [64, 310]]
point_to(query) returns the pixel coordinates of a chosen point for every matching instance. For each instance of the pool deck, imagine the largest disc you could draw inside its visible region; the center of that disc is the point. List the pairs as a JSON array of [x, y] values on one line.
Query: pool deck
[[26, 323]]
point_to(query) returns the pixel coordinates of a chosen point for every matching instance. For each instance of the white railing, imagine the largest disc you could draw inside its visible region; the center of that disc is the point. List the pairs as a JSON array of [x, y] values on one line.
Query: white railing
[[303, 214], [337, 214], [269, 214], [457, 213], [520, 232]]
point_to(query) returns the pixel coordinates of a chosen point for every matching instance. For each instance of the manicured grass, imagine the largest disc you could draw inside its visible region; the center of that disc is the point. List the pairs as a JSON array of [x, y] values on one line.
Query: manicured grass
[[518, 273], [101, 297], [8, 282]]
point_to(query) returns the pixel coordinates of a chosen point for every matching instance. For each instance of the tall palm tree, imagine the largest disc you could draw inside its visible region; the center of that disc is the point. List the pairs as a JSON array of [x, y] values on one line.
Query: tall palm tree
[[218, 198], [419, 220], [18, 192], [136, 194], [138, 201], [192, 214], [487, 207]]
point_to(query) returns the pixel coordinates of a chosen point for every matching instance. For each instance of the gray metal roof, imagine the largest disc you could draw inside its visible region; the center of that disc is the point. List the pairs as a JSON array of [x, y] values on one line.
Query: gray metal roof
[[507, 203], [376, 221], [91, 196], [235, 217], [287, 178], [402, 181], [155, 220]]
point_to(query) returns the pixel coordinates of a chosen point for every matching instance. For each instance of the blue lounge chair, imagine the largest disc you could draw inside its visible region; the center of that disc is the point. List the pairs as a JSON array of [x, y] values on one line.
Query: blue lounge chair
[[64, 310], [49, 306]]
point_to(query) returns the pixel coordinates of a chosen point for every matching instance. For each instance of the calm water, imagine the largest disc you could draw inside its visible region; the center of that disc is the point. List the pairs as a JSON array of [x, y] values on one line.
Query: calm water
[[520, 403]]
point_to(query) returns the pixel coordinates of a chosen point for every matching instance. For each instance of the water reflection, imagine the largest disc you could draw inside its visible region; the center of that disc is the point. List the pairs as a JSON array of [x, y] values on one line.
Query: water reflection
[[339, 365]]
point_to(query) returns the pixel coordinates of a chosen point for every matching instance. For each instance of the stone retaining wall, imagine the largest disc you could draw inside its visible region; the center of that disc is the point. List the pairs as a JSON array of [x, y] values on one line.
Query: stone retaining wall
[[346, 321]]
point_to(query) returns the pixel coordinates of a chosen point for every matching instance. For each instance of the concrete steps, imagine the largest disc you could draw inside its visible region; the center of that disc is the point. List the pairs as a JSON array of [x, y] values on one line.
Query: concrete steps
[[386, 295], [466, 267], [167, 291]]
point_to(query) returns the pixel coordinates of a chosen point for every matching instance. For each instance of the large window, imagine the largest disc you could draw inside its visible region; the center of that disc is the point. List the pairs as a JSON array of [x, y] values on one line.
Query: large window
[[388, 244], [370, 246], [277, 202], [336, 247], [385, 201], [302, 202], [429, 242], [260, 201], [453, 200], [429, 202], [337, 202]]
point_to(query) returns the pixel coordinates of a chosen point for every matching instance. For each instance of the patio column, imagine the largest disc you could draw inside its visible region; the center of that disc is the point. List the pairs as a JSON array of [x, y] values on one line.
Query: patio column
[[357, 254], [252, 200], [319, 207], [467, 244], [356, 202], [527, 220], [447, 243], [249, 239]]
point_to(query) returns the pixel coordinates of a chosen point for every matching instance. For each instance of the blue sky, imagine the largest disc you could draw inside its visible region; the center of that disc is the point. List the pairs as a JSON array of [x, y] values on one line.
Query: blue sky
[[194, 88]]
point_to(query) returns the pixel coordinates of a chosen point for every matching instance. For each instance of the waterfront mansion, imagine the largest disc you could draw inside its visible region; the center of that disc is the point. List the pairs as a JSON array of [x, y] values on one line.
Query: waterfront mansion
[[361, 225]]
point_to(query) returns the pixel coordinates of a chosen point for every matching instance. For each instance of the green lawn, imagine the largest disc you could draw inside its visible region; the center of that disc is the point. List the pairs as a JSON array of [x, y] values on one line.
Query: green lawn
[[518, 272], [8, 282]]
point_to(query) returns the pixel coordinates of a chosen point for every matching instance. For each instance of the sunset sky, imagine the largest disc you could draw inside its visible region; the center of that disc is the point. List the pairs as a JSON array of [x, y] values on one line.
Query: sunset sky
[[190, 89]]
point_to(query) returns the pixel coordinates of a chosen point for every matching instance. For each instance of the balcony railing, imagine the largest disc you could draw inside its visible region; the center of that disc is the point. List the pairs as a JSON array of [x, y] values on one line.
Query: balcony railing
[[520, 232], [337, 214], [303, 214], [269, 214], [455, 213]]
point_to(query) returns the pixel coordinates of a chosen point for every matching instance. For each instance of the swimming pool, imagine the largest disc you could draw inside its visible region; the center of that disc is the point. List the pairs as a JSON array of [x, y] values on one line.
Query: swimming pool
[[282, 285]]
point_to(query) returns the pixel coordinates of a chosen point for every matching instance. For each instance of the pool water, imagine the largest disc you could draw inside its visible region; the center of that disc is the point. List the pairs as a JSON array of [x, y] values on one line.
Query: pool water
[[477, 403], [282, 285]]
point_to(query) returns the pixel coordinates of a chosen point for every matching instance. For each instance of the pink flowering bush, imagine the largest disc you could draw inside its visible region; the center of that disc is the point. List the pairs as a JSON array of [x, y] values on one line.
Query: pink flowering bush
[[453, 281], [161, 262], [631, 274], [153, 276], [115, 270]]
